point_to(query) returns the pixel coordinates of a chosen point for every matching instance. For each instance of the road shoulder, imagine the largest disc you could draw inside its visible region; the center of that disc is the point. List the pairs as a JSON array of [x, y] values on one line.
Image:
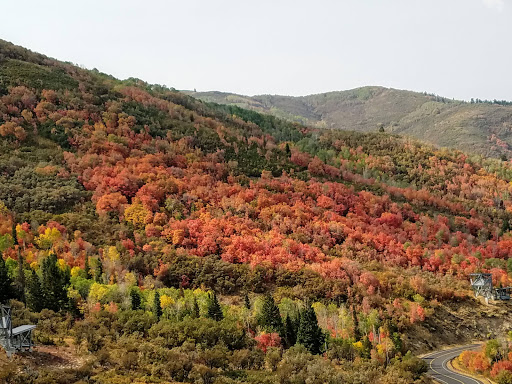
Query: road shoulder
[[456, 367]]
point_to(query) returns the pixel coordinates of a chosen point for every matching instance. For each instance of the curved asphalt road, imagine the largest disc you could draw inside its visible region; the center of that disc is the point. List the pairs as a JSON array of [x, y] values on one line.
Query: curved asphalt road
[[438, 369]]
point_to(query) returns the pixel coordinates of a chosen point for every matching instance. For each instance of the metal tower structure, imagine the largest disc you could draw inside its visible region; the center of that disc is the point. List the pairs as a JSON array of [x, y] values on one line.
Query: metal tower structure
[[14, 339], [482, 286]]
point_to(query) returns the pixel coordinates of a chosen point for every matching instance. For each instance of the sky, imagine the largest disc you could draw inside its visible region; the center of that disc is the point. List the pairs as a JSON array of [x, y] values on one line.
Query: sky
[[455, 48]]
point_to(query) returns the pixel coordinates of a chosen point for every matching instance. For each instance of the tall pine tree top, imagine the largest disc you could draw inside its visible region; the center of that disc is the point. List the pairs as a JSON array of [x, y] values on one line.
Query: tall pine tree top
[[270, 317], [214, 309], [309, 334], [135, 298], [157, 306], [87, 268], [54, 284], [6, 289], [35, 298], [195, 309], [20, 281], [290, 331], [247, 302]]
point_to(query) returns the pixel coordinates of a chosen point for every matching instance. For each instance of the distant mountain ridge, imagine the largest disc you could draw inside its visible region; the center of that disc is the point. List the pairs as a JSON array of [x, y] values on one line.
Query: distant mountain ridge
[[480, 128]]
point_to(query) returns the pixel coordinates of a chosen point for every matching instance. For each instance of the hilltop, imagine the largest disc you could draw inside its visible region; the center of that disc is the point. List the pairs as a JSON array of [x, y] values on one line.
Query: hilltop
[[480, 128], [158, 238]]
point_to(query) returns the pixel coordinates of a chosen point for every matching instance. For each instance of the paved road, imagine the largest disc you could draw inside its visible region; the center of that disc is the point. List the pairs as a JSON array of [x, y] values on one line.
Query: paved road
[[438, 369]]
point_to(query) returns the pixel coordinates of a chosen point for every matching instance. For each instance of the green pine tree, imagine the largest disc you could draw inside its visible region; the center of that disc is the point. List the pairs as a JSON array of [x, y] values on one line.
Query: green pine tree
[[214, 309], [14, 233], [247, 302], [87, 268], [505, 226], [35, 299], [135, 299], [157, 306], [309, 334], [195, 309], [290, 332], [270, 317], [54, 284], [6, 288], [98, 271], [20, 280], [287, 149]]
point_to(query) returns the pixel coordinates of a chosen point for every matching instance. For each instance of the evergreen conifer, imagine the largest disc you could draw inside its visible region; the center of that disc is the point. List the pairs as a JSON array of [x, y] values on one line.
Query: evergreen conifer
[[214, 309], [270, 317], [290, 332], [157, 306], [135, 299], [6, 289], [309, 334], [98, 271], [54, 284], [247, 302], [87, 268], [195, 309], [35, 299], [20, 281]]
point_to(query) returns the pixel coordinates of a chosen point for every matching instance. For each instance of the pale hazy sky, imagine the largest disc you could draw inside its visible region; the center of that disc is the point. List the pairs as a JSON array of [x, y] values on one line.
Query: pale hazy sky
[[456, 48]]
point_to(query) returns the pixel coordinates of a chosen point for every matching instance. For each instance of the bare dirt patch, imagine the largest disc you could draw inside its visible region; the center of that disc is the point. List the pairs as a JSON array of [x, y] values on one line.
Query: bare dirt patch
[[460, 323], [42, 356]]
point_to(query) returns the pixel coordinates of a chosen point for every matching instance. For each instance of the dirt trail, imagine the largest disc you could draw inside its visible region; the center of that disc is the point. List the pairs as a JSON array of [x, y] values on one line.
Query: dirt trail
[[43, 356]]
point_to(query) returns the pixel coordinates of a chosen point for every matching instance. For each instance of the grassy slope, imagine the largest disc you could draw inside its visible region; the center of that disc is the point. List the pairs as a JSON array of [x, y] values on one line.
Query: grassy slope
[[468, 127]]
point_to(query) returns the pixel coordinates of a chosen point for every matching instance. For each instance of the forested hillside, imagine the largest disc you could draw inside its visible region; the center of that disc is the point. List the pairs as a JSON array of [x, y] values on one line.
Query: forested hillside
[[479, 126], [159, 239]]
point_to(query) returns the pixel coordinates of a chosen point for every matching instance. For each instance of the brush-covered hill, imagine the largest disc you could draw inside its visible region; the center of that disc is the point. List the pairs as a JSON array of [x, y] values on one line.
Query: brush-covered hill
[[483, 128], [165, 239]]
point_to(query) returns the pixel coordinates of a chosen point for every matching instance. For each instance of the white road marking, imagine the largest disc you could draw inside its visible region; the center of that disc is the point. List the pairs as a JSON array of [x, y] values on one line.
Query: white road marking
[[436, 355]]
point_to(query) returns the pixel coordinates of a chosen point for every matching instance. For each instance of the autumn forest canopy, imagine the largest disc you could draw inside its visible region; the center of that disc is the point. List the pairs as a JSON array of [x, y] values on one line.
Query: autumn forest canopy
[[169, 239]]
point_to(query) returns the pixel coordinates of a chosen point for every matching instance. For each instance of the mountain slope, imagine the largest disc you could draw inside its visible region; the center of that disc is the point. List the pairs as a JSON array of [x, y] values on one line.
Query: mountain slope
[[177, 240], [480, 128]]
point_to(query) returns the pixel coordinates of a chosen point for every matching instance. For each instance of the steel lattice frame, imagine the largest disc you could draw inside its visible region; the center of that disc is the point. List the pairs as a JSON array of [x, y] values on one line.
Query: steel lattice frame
[[17, 339], [482, 286], [6, 329], [22, 341]]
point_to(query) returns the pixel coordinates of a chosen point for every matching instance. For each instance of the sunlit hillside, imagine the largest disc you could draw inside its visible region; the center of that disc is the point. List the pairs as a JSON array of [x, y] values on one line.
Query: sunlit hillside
[[158, 238]]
